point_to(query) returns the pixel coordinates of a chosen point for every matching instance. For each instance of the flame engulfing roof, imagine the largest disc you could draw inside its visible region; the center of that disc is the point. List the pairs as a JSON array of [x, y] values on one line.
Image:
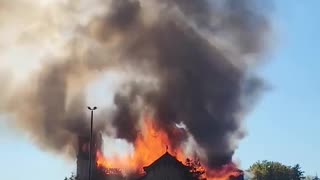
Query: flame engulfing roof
[[167, 165], [165, 159]]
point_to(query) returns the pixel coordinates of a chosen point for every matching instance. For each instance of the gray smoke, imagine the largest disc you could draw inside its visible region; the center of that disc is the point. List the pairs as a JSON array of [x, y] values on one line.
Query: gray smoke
[[200, 54], [41, 109]]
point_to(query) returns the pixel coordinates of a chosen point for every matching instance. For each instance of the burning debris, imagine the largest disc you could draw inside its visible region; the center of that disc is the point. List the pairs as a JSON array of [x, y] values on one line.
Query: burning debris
[[188, 78]]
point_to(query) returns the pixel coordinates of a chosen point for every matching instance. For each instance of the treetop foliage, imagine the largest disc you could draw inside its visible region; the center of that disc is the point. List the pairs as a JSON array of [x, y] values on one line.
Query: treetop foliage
[[269, 170]]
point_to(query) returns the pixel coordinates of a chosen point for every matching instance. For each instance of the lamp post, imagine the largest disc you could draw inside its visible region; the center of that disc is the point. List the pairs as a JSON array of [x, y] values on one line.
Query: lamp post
[[90, 149]]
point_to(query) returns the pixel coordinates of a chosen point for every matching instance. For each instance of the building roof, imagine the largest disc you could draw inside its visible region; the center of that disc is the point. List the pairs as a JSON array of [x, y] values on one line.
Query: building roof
[[166, 158]]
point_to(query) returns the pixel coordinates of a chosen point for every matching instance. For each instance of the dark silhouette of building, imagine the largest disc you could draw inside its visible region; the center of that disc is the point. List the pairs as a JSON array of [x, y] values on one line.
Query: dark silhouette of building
[[98, 173], [167, 167], [83, 158]]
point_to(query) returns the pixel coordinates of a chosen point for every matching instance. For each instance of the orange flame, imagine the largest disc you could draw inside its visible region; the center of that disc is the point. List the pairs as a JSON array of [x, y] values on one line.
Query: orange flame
[[149, 146]]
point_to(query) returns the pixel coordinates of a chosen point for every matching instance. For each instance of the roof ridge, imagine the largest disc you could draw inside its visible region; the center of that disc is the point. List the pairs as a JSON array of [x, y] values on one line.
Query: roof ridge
[[161, 158]]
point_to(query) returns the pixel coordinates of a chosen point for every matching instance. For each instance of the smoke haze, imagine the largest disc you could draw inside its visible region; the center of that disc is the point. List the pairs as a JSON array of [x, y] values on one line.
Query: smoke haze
[[181, 61]]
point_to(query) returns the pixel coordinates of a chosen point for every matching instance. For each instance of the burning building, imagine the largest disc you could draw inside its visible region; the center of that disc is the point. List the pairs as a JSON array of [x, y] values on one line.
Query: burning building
[[167, 167], [83, 156], [184, 72], [160, 165]]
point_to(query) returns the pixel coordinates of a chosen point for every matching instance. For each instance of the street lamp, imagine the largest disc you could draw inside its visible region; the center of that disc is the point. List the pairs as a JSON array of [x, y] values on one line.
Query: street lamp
[[90, 149]]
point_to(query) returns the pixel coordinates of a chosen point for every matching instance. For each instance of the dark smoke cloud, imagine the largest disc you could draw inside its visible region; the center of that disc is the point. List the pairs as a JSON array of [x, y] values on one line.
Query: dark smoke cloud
[[124, 14], [184, 46], [198, 85]]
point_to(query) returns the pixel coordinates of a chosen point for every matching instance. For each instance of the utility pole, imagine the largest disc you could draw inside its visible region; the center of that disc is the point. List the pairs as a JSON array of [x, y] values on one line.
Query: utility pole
[[90, 149]]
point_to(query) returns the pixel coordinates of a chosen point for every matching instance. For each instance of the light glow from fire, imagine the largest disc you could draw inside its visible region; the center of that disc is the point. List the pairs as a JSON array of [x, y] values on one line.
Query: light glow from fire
[[151, 144]]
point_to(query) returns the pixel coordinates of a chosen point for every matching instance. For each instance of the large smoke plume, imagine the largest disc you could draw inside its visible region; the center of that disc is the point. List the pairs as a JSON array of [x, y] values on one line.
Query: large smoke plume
[[184, 61]]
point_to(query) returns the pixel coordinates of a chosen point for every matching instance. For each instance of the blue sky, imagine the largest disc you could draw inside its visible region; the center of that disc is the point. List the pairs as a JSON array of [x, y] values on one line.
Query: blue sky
[[283, 127]]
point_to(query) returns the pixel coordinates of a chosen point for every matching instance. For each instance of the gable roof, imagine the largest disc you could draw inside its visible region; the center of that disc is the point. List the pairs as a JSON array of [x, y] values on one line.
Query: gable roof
[[166, 158]]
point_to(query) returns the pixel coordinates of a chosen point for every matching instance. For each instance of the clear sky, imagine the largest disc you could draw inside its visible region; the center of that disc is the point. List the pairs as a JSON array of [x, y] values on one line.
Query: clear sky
[[283, 127]]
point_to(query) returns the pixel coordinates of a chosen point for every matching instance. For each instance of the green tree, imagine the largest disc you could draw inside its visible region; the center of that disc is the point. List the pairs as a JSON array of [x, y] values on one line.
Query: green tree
[[269, 170], [297, 173]]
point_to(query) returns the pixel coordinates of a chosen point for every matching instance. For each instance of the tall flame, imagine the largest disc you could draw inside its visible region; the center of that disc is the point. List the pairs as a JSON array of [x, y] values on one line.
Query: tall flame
[[151, 144]]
